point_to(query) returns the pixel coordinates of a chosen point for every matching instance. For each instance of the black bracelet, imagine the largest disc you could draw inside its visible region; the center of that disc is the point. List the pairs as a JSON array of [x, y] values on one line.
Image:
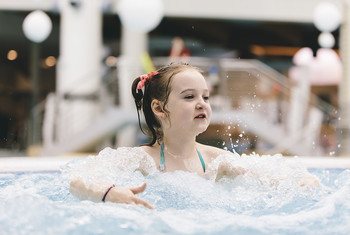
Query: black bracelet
[[109, 189]]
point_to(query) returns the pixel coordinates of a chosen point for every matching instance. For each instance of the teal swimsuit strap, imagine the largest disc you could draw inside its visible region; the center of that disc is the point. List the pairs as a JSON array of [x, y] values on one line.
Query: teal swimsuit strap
[[162, 165], [202, 161]]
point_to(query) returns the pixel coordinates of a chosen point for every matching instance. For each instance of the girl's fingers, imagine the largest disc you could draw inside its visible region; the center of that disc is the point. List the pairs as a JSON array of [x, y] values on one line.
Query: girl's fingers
[[140, 201], [138, 189]]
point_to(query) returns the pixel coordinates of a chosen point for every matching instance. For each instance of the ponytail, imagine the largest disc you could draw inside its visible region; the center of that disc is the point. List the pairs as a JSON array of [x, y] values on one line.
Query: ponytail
[[143, 101]]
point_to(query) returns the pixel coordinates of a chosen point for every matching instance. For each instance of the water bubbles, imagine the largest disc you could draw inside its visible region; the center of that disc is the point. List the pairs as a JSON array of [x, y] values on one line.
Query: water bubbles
[[332, 153], [241, 205], [339, 145], [240, 135], [229, 127]]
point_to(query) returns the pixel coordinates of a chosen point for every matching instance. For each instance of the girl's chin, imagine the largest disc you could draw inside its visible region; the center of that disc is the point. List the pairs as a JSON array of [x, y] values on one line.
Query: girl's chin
[[202, 129]]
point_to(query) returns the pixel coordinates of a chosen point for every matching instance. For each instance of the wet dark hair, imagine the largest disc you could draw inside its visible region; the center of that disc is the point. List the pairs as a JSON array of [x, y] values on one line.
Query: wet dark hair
[[157, 87]]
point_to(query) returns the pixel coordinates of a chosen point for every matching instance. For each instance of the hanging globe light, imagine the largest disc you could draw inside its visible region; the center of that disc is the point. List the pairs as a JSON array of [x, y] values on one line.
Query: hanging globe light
[[140, 15], [327, 17], [326, 40], [303, 57], [37, 26]]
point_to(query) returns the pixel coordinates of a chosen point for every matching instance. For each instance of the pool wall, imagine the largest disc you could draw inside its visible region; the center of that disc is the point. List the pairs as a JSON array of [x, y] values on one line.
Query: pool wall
[[16, 164]]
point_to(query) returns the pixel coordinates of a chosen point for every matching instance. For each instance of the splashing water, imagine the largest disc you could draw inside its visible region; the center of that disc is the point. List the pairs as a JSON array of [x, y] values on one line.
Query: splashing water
[[40, 203]]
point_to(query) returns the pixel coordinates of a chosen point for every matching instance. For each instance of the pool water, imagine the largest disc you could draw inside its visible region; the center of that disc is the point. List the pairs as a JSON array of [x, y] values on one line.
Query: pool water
[[40, 203]]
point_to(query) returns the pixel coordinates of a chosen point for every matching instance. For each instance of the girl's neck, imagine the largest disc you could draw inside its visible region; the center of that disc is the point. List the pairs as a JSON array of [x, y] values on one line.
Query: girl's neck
[[179, 146]]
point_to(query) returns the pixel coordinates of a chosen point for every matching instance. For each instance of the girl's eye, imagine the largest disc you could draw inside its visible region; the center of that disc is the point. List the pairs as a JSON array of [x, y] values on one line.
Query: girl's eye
[[206, 97], [189, 97]]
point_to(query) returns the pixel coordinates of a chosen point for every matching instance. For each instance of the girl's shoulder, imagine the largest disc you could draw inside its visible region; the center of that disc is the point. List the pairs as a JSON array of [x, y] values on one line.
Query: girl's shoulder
[[129, 159], [211, 152]]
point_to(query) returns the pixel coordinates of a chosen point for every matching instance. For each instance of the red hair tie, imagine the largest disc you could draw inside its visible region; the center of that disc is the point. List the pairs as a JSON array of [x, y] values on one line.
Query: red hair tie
[[144, 78]]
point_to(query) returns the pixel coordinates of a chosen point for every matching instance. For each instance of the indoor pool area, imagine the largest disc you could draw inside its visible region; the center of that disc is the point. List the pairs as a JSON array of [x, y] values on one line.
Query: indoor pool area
[[34, 194], [154, 117]]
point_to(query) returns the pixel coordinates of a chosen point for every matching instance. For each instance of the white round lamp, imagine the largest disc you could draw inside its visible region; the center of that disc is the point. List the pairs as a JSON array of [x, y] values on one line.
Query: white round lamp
[[327, 17], [37, 26], [326, 40], [303, 57], [140, 15]]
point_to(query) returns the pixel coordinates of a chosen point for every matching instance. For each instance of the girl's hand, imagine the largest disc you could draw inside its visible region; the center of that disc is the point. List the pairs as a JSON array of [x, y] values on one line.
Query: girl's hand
[[127, 196], [229, 170], [309, 180]]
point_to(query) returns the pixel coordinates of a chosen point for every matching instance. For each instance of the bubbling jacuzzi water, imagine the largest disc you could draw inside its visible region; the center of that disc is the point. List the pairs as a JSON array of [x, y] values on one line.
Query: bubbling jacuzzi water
[[40, 203]]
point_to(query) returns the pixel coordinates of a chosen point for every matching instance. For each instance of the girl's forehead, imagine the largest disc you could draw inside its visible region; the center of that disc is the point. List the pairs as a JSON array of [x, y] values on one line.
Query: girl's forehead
[[188, 77]]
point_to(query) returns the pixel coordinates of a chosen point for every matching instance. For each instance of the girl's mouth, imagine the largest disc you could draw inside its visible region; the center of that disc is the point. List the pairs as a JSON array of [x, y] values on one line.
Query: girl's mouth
[[200, 116]]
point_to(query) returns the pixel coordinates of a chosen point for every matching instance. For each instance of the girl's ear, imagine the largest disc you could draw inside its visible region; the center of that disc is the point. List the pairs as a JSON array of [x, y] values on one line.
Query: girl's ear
[[157, 108]]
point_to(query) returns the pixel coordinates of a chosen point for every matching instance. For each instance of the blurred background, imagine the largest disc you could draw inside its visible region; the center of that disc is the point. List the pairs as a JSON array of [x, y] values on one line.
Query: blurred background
[[278, 72]]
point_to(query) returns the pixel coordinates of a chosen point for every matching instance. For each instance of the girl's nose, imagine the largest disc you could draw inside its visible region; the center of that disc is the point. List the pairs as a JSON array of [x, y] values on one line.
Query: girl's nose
[[200, 104]]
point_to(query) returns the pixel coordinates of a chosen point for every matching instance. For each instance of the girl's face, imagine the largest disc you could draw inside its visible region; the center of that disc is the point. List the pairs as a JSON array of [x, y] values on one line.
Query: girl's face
[[188, 103]]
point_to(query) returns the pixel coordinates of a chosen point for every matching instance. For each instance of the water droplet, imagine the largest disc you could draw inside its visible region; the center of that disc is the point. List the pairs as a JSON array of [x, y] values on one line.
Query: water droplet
[[339, 145]]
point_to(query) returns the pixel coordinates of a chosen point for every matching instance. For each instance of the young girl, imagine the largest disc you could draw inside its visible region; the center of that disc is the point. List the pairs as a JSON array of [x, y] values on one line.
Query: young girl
[[175, 105]]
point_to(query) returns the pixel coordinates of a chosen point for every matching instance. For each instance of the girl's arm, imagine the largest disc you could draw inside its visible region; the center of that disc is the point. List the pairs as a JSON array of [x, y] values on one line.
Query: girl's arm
[[222, 166], [228, 170], [116, 194], [231, 166]]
